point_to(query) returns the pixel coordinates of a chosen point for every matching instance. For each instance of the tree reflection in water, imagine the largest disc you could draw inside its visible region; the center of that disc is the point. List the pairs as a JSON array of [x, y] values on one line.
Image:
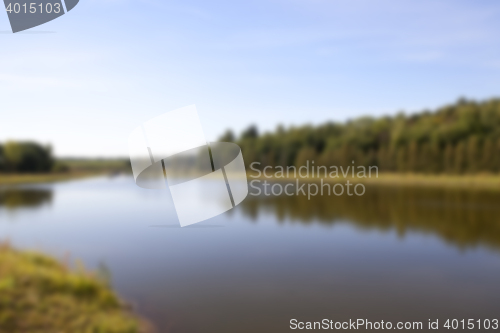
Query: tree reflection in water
[[16, 198], [464, 218]]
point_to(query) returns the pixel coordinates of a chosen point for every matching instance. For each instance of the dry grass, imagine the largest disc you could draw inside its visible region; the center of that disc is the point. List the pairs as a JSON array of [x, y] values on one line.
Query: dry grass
[[489, 182], [38, 294], [14, 179], [485, 181]]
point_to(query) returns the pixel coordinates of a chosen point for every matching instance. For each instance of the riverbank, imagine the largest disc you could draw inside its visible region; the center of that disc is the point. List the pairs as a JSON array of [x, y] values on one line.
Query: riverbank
[[17, 179], [480, 182], [39, 294], [69, 169], [489, 182]]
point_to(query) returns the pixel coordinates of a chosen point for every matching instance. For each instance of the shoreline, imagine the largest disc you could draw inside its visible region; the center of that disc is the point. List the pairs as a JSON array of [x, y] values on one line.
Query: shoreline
[[21, 179], [476, 182], [56, 297]]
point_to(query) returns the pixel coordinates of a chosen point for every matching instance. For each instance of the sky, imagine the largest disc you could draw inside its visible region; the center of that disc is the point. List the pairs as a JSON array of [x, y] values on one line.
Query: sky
[[84, 81]]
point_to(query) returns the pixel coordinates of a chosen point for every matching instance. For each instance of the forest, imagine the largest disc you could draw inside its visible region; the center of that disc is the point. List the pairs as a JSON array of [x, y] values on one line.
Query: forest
[[461, 138]]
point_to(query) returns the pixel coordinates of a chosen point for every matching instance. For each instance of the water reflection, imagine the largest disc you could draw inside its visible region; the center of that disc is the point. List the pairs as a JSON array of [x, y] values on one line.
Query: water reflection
[[464, 218], [16, 198], [285, 257]]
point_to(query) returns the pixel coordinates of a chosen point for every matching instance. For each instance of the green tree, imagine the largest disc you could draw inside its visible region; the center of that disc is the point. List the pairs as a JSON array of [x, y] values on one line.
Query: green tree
[[449, 159], [487, 156], [460, 155], [2, 159], [402, 160], [473, 161], [228, 136], [250, 133], [27, 157], [413, 158]]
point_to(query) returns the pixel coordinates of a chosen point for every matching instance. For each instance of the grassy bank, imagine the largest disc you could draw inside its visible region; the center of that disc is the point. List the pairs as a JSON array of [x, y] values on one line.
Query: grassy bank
[[38, 294], [14, 179], [477, 182], [69, 169], [480, 182], [97, 165]]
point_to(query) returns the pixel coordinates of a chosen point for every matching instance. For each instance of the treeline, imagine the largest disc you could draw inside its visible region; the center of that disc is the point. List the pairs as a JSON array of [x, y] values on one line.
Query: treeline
[[25, 157], [460, 138]]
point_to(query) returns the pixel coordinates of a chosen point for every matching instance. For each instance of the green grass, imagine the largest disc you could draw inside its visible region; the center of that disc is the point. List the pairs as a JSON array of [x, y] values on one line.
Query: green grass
[[40, 295]]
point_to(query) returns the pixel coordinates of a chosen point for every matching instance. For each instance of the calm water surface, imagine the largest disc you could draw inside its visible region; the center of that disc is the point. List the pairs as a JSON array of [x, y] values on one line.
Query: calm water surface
[[392, 255]]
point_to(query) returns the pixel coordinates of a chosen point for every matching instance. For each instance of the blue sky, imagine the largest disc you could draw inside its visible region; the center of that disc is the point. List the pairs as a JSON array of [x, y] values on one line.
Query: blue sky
[[84, 81]]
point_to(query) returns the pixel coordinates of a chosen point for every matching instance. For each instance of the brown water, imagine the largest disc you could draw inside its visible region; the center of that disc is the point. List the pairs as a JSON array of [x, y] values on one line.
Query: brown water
[[394, 254]]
